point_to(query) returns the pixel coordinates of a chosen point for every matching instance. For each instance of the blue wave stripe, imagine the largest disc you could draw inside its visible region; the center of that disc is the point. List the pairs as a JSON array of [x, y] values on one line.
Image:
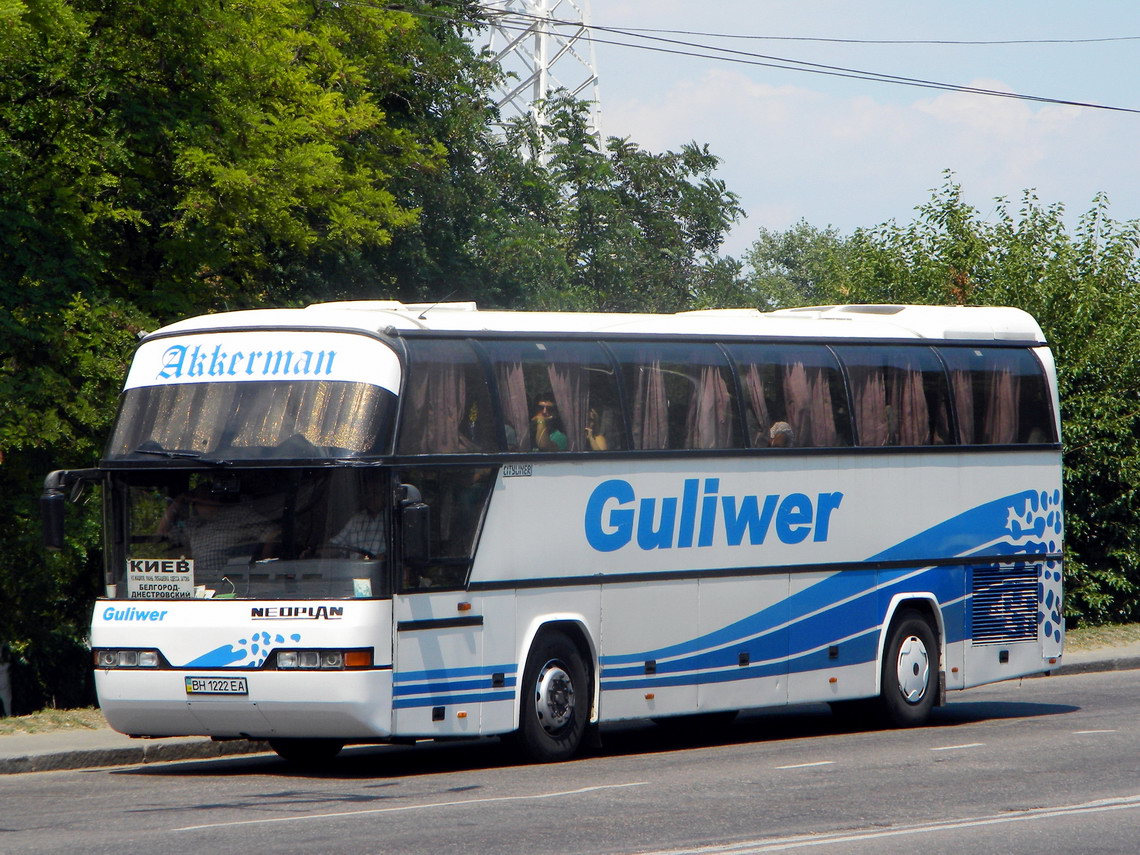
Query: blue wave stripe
[[980, 529], [984, 524], [850, 618], [837, 586], [857, 651], [447, 700]]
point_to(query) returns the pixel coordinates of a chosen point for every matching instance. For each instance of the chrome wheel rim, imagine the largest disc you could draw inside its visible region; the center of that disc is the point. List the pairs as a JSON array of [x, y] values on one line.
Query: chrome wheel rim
[[554, 697]]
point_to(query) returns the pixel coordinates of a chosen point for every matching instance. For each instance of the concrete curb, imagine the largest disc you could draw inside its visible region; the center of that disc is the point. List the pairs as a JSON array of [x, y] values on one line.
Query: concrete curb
[[1122, 663], [146, 751]]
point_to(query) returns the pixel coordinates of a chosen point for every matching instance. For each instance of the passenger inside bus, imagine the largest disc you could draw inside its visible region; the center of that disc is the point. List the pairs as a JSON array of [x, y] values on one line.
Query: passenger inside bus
[[365, 532], [781, 435], [546, 426], [217, 526], [595, 438]]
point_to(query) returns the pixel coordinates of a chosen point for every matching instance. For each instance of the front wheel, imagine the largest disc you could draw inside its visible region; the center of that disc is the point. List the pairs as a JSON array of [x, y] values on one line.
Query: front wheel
[[555, 700], [910, 671]]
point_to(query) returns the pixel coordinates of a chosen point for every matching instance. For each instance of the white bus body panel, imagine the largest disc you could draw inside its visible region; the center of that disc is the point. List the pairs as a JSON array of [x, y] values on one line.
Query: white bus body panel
[[233, 639], [796, 609]]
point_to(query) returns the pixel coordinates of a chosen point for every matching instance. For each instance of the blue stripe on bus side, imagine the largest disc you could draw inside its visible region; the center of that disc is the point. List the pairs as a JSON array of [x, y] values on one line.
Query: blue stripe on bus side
[[452, 673], [448, 686], [861, 649]]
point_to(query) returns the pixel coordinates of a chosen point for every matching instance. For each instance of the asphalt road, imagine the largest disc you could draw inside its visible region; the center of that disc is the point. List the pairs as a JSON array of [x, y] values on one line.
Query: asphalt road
[[1043, 765]]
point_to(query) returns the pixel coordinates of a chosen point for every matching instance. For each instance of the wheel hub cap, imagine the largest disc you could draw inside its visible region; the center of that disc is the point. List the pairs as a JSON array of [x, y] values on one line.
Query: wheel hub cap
[[913, 669]]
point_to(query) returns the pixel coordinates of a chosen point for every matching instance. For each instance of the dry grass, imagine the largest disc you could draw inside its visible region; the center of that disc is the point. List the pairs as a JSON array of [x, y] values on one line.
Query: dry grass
[[88, 718], [1096, 637]]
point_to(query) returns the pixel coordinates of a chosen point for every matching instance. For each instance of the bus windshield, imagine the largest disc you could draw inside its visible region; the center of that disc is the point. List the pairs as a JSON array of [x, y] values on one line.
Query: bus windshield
[[257, 533], [251, 421]]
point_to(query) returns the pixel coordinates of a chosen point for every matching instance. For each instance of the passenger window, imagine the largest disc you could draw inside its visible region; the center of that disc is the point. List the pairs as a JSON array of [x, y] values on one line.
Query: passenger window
[[447, 403], [557, 396], [900, 395], [794, 396], [679, 395], [1000, 395]]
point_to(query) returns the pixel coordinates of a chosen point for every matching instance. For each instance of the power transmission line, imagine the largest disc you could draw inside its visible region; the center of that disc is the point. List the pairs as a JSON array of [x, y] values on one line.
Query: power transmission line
[[697, 50]]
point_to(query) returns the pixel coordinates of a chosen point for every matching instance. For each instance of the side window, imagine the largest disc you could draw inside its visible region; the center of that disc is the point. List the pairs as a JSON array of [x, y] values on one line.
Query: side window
[[557, 396], [447, 403], [457, 497], [1001, 396], [900, 396], [793, 395], [679, 395]]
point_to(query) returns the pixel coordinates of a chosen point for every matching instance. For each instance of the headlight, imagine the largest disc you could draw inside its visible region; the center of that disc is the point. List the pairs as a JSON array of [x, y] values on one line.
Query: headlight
[[323, 660], [105, 658]]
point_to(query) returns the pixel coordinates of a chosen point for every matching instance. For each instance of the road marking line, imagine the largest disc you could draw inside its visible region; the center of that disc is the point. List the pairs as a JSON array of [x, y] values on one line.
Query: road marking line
[[401, 808], [957, 747], [802, 841], [807, 765], [1083, 732]]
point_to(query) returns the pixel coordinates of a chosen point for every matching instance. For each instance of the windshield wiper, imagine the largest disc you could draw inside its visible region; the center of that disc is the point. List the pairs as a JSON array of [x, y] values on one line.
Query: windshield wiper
[[162, 452], [179, 454]]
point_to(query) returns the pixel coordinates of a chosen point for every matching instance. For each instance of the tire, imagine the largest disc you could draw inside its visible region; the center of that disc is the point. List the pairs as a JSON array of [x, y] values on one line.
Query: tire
[[306, 752], [555, 701], [910, 672]]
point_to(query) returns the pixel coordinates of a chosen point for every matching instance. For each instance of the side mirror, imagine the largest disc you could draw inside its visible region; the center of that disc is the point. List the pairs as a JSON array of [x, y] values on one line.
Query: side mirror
[[51, 511], [415, 526], [53, 499]]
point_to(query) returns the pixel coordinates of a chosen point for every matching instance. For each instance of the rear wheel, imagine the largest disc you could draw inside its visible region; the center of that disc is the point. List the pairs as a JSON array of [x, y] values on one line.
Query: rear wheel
[[555, 700], [306, 752], [910, 671]]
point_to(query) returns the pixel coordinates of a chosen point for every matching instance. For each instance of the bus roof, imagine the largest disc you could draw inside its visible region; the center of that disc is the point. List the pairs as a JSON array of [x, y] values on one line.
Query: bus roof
[[970, 323]]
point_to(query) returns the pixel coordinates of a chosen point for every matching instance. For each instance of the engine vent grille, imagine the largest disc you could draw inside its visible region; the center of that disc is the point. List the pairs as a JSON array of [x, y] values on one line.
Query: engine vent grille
[[1004, 605]]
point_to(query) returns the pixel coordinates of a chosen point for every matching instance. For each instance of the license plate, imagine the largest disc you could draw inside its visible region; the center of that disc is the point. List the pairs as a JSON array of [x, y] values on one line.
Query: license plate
[[216, 686]]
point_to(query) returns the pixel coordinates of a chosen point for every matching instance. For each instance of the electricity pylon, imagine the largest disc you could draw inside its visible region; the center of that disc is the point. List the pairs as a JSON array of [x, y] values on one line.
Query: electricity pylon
[[544, 46]]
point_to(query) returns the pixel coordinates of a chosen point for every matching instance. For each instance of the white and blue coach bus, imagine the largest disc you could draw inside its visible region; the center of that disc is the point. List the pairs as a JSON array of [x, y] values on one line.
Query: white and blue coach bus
[[368, 521]]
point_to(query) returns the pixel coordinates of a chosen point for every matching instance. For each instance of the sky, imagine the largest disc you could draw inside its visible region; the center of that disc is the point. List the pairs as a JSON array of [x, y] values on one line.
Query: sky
[[845, 153]]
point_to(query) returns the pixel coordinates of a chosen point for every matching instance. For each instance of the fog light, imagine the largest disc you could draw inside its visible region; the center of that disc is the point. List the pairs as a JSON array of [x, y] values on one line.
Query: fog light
[[106, 659], [332, 659]]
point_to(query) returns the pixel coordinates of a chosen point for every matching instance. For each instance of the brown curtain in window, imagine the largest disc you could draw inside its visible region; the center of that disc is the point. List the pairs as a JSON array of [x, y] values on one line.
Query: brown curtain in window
[[570, 383], [512, 397], [433, 410], [807, 399], [754, 389], [650, 407], [910, 410], [871, 418], [824, 433], [708, 423], [962, 382], [1002, 407]]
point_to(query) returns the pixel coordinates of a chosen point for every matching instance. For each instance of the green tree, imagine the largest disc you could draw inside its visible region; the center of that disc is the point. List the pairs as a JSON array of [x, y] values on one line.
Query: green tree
[[1082, 288], [165, 159], [642, 230]]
